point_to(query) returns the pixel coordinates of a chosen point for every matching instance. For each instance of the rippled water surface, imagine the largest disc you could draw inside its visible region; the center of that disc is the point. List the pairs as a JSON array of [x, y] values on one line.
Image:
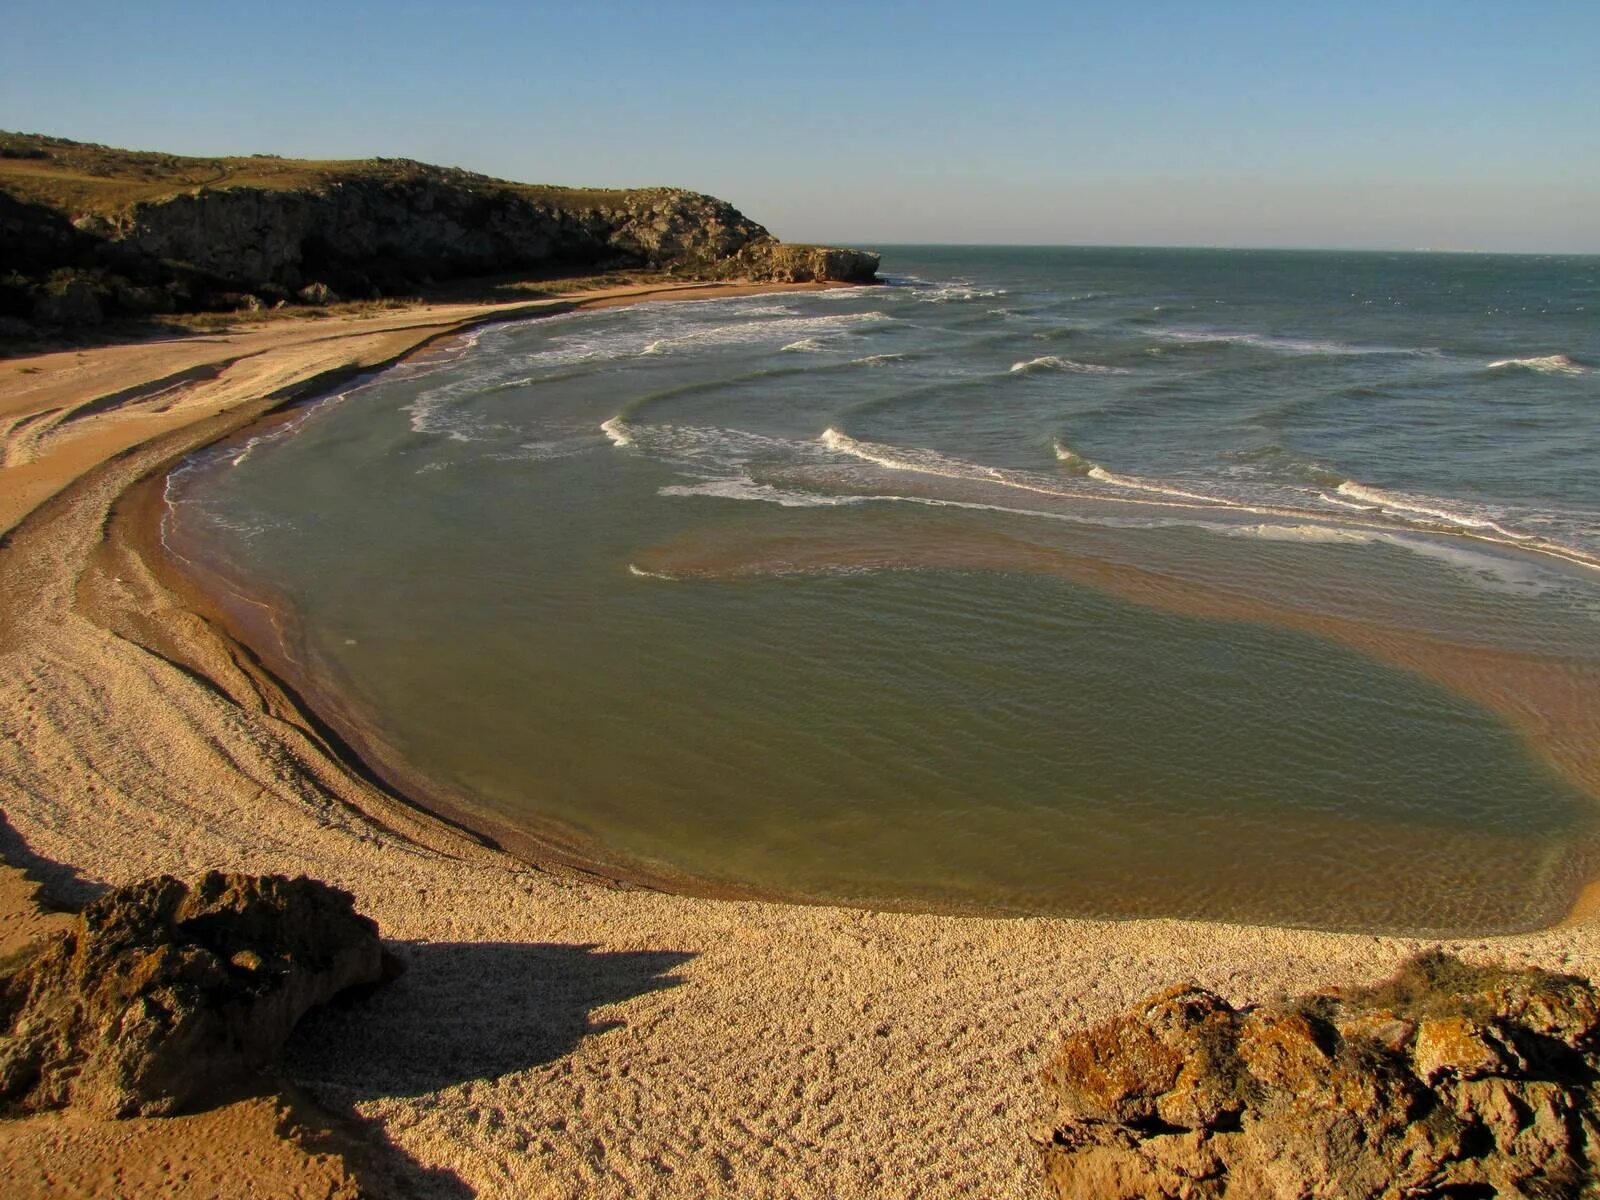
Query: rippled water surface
[[1249, 585]]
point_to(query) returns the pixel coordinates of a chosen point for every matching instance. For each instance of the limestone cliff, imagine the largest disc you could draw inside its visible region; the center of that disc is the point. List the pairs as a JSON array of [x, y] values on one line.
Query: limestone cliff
[[153, 232]]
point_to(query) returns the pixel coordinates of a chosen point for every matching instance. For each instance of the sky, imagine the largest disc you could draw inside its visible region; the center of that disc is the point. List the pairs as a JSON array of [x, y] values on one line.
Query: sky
[[1463, 125]]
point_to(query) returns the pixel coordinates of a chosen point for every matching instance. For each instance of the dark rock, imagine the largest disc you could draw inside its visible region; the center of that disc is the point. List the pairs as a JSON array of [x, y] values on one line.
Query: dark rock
[[1450, 1080], [162, 994], [72, 302], [13, 329], [318, 293]]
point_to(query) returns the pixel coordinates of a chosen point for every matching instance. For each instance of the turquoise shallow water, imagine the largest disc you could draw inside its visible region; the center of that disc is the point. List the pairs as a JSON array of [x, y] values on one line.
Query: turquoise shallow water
[[1111, 582]]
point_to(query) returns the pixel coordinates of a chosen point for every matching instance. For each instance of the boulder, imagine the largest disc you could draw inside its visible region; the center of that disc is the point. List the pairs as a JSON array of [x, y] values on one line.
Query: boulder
[[318, 293], [1449, 1080], [163, 994]]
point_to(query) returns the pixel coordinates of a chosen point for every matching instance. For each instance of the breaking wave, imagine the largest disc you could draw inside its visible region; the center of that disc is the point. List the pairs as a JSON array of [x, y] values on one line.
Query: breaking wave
[[1054, 362], [1548, 364], [1426, 506]]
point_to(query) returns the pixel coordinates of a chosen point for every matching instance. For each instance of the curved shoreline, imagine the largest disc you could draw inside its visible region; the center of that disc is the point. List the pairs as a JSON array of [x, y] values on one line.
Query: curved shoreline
[[537, 1043]]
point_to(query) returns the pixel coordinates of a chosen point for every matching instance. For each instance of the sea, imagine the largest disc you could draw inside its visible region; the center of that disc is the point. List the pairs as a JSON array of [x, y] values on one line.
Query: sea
[[1242, 585]]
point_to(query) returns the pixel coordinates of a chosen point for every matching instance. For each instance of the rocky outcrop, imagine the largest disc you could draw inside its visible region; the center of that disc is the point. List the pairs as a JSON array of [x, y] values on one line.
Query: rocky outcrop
[[771, 260], [161, 994], [1450, 1081], [152, 233]]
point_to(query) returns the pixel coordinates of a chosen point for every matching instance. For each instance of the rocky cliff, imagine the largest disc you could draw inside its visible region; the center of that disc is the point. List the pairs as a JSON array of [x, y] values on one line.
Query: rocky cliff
[[152, 233]]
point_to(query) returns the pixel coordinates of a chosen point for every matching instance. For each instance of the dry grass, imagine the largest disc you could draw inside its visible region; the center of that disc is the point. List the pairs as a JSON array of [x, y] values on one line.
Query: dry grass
[[80, 179]]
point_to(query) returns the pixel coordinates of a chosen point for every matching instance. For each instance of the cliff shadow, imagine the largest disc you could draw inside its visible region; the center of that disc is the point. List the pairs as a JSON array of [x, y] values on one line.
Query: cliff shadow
[[468, 1010]]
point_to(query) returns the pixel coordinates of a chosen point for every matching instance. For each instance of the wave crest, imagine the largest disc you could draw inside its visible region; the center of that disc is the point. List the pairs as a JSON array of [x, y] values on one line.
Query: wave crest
[[1547, 364], [1054, 362]]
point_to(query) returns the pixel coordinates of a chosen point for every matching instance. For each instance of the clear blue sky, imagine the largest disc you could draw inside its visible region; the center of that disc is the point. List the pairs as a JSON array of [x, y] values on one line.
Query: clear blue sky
[[1457, 124]]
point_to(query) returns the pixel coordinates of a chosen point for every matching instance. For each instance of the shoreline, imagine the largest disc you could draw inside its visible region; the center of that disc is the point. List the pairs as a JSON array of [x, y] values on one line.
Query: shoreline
[[628, 1041]]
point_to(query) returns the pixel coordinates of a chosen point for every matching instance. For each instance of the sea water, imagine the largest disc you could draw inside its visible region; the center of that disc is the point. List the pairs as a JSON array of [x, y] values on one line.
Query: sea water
[[1112, 582]]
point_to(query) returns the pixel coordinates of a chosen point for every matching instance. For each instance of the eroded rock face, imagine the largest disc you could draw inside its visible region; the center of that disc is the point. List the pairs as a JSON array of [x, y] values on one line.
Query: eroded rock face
[[1450, 1081], [162, 993], [768, 260]]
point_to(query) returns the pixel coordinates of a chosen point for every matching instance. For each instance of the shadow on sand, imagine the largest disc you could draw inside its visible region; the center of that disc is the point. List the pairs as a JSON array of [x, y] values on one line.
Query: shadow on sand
[[462, 1011], [62, 888], [468, 1010]]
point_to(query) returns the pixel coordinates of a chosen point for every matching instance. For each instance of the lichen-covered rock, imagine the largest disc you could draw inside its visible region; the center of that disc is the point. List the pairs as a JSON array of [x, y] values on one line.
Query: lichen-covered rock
[[1450, 1080], [162, 993]]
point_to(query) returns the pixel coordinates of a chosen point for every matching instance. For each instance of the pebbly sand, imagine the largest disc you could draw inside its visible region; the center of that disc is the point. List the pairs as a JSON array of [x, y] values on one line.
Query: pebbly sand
[[555, 1035]]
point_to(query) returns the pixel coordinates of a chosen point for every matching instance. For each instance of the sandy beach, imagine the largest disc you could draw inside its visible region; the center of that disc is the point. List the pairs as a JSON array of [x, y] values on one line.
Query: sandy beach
[[555, 1035]]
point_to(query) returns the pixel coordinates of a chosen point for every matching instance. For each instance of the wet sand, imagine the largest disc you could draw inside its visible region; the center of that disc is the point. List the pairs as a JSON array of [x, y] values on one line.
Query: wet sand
[[556, 1035]]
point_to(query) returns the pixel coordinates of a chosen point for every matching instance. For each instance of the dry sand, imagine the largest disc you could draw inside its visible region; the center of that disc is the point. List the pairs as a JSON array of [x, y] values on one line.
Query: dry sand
[[554, 1036]]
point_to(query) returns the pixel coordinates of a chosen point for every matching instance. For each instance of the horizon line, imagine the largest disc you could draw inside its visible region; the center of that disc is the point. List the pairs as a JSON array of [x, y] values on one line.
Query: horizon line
[[869, 244]]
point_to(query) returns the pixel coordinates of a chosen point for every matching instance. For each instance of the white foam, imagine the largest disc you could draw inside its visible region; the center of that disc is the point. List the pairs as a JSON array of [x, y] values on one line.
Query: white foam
[[876, 360], [930, 462], [951, 292], [742, 487], [617, 430], [910, 458], [545, 451], [1102, 475], [1330, 534], [1072, 460], [1054, 362], [1381, 508], [670, 337], [1338, 503], [643, 574], [1284, 345], [804, 345], [1482, 568], [1548, 364], [1426, 506]]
